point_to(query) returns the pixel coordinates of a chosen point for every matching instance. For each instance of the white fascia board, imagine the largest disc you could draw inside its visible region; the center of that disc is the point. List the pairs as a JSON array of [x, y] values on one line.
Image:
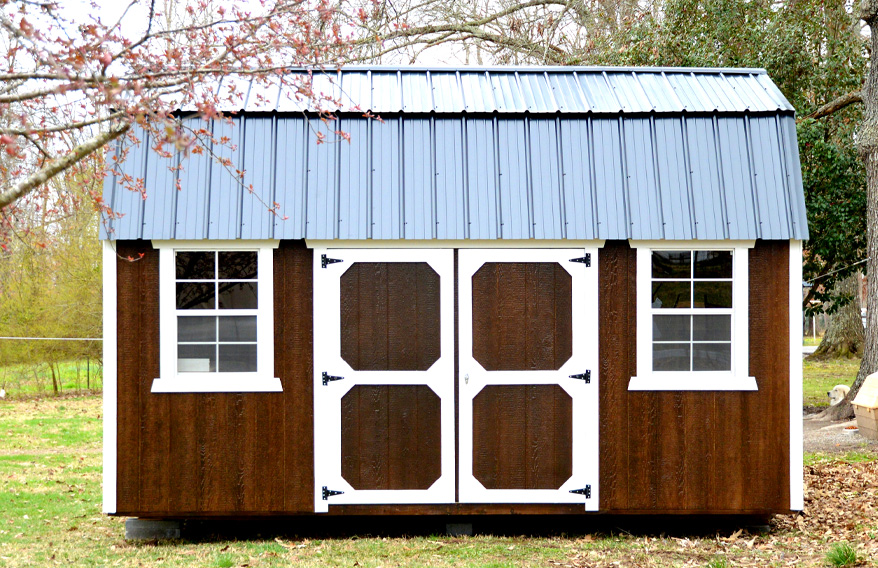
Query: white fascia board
[[797, 475], [454, 244], [108, 257], [214, 244]]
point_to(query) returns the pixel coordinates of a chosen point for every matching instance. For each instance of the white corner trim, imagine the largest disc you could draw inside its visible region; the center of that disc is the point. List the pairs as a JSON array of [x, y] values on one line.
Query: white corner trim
[[691, 382], [797, 475], [108, 267], [217, 383], [454, 244]]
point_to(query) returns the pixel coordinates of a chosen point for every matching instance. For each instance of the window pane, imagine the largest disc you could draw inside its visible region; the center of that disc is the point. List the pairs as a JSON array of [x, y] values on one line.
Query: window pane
[[712, 328], [191, 329], [237, 358], [713, 295], [195, 296], [713, 264], [196, 358], [238, 265], [237, 328], [670, 356], [671, 264], [237, 296], [670, 294], [192, 265], [670, 328], [712, 357]]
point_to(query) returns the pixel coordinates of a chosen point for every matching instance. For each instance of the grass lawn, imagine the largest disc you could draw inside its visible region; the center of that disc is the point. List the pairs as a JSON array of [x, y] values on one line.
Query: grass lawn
[[23, 380], [821, 376], [50, 466]]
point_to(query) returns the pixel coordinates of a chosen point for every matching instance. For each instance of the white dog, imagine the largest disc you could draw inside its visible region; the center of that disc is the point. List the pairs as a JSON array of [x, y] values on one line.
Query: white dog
[[837, 394]]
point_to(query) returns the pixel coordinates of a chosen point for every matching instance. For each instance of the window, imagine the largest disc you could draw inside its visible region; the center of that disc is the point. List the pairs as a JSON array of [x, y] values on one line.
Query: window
[[216, 317], [692, 316]]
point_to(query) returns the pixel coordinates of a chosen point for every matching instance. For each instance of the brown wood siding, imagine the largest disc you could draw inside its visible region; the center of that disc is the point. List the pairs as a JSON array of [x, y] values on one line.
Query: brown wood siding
[[390, 316], [522, 317], [209, 455], [391, 437], [522, 437], [206, 454], [695, 451]]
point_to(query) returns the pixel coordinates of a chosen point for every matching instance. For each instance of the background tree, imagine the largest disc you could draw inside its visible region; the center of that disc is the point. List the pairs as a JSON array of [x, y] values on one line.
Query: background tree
[[812, 49], [73, 82]]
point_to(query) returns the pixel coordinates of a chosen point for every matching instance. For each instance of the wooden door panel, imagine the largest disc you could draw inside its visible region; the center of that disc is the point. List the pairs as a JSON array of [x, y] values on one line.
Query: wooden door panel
[[390, 316], [391, 437], [522, 437], [522, 319]]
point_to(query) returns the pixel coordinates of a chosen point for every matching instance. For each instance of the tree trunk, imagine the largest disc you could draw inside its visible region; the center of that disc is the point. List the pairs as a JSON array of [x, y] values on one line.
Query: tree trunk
[[845, 335], [54, 380], [867, 146]]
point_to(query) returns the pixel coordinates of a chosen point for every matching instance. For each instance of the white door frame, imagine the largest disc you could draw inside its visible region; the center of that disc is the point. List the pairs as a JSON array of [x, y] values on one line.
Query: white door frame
[[473, 377], [327, 358]]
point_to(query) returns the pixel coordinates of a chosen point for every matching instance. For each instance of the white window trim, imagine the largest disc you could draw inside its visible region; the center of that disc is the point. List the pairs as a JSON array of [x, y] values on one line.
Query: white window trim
[[738, 378], [170, 381]]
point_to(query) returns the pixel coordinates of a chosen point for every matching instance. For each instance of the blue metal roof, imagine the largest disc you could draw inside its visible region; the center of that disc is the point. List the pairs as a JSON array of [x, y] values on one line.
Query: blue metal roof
[[728, 172], [513, 90]]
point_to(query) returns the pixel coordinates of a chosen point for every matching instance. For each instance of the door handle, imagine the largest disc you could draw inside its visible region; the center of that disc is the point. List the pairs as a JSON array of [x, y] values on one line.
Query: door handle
[[466, 378]]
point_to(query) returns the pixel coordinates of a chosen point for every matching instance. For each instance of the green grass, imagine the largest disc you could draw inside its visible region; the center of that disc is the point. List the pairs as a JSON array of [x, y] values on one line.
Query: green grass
[[852, 456], [841, 554], [24, 380], [821, 376], [718, 562], [811, 341]]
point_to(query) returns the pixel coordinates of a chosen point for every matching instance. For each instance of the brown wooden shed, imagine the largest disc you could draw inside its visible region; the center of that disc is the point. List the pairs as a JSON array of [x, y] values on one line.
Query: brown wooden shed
[[524, 290]]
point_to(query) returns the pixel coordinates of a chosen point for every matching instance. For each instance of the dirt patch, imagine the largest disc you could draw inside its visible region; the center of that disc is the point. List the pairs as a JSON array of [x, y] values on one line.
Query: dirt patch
[[834, 438]]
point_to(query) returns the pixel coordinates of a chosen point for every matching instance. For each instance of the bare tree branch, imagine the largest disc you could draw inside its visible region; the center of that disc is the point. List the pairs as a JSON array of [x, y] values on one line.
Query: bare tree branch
[[836, 105], [58, 165]]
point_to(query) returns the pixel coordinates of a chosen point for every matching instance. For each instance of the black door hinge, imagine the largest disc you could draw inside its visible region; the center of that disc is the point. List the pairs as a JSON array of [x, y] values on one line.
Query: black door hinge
[[327, 378], [326, 261], [586, 260], [327, 493], [586, 376], [584, 491]]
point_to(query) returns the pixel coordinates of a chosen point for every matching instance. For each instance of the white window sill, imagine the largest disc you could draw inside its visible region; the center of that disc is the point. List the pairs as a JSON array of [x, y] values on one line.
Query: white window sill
[[695, 381], [217, 383]]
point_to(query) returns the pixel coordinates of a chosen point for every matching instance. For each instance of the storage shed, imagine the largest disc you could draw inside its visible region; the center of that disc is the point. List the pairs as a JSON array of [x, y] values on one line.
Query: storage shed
[[522, 290]]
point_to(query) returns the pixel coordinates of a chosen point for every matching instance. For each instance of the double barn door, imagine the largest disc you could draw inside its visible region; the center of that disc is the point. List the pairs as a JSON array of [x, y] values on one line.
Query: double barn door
[[398, 422]]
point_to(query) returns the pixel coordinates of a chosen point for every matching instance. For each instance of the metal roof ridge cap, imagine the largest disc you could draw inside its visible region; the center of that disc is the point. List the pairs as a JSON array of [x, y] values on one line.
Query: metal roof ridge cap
[[543, 68]]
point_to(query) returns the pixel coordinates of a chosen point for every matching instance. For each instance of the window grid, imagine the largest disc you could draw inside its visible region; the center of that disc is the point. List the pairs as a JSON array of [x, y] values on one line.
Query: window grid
[[692, 311], [216, 312]]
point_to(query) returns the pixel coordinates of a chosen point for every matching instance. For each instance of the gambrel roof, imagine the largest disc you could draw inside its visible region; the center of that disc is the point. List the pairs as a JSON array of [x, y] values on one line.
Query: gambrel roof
[[488, 153]]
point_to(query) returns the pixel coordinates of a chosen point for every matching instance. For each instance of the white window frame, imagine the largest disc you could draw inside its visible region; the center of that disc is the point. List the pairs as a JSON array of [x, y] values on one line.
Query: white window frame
[[263, 379], [737, 379]]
